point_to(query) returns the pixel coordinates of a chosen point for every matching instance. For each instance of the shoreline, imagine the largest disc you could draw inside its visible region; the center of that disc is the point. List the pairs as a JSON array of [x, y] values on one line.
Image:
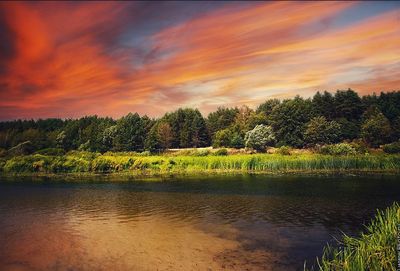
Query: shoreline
[[144, 175], [94, 164]]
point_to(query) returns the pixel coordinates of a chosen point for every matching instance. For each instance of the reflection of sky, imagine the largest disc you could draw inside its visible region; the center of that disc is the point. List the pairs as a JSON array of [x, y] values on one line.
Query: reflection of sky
[[56, 59]]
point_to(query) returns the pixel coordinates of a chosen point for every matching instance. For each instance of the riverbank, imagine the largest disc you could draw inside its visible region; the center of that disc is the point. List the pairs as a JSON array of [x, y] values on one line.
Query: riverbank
[[375, 249], [152, 165]]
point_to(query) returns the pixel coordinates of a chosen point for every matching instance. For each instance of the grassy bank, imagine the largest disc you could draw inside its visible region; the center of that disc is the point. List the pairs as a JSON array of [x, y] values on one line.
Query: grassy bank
[[373, 250], [86, 162]]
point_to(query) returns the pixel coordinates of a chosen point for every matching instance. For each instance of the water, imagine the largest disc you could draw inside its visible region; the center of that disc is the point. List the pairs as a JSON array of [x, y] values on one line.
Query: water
[[198, 223]]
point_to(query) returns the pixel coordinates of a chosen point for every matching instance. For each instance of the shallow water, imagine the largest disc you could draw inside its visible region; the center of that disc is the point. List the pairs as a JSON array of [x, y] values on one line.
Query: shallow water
[[187, 223]]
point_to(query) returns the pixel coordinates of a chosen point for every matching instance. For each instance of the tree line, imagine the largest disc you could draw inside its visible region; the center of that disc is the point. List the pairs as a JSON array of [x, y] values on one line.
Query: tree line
[[325, 118]]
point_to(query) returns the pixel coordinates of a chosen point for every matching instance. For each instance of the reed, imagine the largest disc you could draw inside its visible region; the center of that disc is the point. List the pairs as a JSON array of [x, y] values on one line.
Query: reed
[[375, 249], [268, 163]]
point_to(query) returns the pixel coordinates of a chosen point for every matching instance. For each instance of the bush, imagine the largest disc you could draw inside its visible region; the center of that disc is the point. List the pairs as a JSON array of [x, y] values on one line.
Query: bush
[[360, 146], [284, 150], [29, 163], [51, 151], [392, 147], [221, 152], [338, 149], [260, 137], [201, 153]]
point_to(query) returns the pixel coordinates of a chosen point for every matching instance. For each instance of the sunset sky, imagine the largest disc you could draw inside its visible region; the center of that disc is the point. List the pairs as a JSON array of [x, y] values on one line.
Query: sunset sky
[[60, 59]]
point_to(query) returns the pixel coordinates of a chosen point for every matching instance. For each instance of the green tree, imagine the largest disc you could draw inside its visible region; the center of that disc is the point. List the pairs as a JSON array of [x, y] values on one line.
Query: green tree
[[348, 105], [130, 134], [108, 137], [320, 131], [324, 105], [222, 138], [188, 128], [164, 135], [221, 119], [267, 107], [237, 141], [289, 119], [375, 129], [260, 138]]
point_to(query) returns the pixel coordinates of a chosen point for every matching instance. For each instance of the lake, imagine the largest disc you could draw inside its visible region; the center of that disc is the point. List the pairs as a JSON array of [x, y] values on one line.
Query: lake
[[244, 222]]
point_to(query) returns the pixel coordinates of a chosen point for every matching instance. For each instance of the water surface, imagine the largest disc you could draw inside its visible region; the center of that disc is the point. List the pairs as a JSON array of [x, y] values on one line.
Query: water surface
[[247, 222]]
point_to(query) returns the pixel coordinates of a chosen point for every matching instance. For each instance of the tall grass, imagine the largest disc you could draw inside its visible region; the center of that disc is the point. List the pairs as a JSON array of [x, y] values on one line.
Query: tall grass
[[373, 250], [108, 162]]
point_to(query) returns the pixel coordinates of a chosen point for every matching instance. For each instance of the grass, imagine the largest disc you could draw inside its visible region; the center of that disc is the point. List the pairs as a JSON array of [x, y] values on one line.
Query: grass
[[373, 250], [158, 164]]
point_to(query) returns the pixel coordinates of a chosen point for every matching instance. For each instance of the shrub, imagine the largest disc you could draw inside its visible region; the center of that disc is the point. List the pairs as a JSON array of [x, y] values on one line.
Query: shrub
[[201, 153], [260, 137], [392, 147], [221, 152], [284, 150], [360, 146], [338, 149]]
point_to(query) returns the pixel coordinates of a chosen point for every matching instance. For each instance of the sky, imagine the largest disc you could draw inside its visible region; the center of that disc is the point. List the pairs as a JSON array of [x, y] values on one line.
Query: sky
[[71, 59]]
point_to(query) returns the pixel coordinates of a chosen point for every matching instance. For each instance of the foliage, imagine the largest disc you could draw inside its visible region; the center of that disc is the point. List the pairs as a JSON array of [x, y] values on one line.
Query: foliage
[[237, 141], [289, 119], [130, 133], [338, 149], [185, 128], [375, 249], [188, 128], [375, 129], [221, 119], [222, 138], [267, 107], [260, 138], [348, 105], [320, 131], [324, 105], [392, 147]]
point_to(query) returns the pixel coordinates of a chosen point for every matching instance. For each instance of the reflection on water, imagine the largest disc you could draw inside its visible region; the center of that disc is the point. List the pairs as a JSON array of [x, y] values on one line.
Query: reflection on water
[[208, 223]]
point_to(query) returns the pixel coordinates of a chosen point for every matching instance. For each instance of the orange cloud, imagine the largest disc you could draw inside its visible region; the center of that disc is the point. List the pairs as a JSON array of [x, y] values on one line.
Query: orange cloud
[[69, 60]]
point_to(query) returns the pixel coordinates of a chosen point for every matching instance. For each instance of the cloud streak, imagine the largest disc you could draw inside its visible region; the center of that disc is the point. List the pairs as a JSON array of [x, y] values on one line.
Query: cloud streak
[[69, 60]]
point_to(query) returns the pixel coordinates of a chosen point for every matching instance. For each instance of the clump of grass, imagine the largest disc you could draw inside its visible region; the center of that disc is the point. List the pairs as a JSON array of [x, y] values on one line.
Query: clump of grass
[[373, 250], [221, 152], [283, 150]]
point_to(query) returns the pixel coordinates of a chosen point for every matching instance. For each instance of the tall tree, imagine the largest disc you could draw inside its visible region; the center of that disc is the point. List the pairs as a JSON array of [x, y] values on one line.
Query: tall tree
[[375, 128], [288, 120]]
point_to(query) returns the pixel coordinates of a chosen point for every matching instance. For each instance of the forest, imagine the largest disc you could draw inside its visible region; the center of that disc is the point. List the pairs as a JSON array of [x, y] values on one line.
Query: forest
[[326, 118]]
